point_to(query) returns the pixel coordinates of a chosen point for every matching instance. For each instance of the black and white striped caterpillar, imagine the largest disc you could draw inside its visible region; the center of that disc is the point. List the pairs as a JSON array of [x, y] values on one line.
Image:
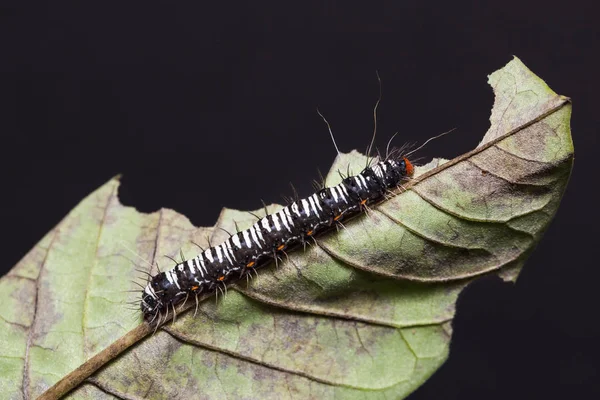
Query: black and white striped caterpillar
[[270, 236]]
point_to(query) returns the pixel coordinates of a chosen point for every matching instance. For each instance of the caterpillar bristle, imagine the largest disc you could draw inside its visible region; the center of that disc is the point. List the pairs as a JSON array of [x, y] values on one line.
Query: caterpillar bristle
[[197, 245], [171, 258]]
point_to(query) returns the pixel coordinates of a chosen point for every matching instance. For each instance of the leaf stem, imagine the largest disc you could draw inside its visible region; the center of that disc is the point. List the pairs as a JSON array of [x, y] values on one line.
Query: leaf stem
[[73, 379]]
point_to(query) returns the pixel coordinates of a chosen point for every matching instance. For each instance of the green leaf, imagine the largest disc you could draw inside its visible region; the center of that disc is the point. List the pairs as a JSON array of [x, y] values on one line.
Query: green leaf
[[366, 313]]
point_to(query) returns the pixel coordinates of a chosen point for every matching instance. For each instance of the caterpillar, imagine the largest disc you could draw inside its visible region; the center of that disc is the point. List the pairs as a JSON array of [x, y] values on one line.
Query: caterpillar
[[248, 250]]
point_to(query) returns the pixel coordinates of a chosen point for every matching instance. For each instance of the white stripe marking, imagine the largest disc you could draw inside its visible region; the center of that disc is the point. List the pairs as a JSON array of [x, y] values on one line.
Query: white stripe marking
[[149, 291], [358, 182], [219, 254], [259, 233], [202, 266], [224, 247], [334, 194], [208, 255], [265, 223], [190, 264], [253, 229], [312, 204], [172, 277], [344, 189], [341, 193], [276, 222], [236, 241], [377, 171], [362, 178], [317, 201], [287, 212], [284, 219], [247, 239], [169, 277], [229, 249], [295, 209], [175, 279], [306, 207]]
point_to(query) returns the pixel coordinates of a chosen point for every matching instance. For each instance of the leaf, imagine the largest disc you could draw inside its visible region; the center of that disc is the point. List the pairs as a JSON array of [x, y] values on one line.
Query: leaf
[[365, 314]]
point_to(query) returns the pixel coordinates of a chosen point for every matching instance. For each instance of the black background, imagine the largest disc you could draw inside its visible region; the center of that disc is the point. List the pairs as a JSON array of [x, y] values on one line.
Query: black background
[[203, 106]]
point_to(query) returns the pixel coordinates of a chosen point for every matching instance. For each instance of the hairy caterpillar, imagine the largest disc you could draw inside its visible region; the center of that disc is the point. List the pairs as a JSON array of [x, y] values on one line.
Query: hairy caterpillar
[[271, 236]]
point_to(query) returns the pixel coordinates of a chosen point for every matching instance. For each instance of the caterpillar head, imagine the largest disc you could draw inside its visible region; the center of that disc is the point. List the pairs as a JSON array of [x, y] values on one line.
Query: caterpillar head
[[406, 167], [395, 171]]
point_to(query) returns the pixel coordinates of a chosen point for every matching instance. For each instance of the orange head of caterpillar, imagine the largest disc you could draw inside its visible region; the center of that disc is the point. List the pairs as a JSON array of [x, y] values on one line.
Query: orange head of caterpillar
[[409, 168]]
